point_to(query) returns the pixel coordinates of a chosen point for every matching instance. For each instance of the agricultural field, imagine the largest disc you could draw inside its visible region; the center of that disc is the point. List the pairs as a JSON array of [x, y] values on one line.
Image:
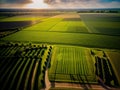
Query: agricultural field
[[13, 24], [22, 66], [74, 48], [22, 18], [102, 23], [68, 29], [81, 65], [71, 64], [88, 40], [18, 22], [114, 59], [61, 23], [104, 68]]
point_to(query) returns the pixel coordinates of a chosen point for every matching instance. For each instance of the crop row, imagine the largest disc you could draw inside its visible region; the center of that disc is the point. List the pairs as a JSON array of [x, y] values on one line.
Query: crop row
[[70, 64], [60, 23], [20, 67]]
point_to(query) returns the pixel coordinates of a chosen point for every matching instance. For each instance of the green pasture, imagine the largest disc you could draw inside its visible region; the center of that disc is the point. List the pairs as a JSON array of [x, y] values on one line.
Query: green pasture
[[22, 18], [102, 23], [73, 22], [70, 26], [60, 23], [71, 64], [45, 25], [72, 29], [89, 40]]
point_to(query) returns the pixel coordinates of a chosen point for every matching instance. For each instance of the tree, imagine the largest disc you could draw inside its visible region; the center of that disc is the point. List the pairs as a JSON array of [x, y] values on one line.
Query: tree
[[92, 53]]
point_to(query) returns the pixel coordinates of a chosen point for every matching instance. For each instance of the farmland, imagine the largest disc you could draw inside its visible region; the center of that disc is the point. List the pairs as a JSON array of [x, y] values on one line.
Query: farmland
[[24, 67], [83, 67], [75, 48], [114, 59], [68, 29], [102, 23], [79, 69]]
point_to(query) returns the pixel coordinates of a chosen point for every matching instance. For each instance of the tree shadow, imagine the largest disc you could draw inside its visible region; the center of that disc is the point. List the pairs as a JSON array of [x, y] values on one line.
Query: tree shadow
[[89, 85], [104, 72], [82, 82]]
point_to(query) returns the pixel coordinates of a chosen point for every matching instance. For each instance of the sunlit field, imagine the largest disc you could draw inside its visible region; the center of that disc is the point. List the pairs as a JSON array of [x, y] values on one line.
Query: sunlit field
[[59, 50], [71, 30], [80, 68]]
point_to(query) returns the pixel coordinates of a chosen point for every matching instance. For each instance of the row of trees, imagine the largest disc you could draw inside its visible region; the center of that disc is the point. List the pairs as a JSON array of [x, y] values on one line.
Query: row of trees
[[99, 11], [24, 68], [47, 64], [4, 33], [104, 70]]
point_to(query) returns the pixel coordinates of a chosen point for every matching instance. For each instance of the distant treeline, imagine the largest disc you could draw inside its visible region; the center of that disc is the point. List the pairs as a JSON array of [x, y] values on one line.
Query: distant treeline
[[49, 12], [14, 12], [9, 14], [99, 11]]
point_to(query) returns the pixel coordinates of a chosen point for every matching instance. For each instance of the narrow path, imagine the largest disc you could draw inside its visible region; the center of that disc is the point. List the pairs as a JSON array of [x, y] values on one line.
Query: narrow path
[[47, 82], [75, 86]]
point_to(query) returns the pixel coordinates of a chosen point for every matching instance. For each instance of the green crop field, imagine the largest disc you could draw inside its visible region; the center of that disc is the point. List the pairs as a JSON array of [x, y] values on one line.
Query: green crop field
[[71, 29], [77, 48], [22, 18], [72, 64], [89, 40], [64, 23], [102, 23]]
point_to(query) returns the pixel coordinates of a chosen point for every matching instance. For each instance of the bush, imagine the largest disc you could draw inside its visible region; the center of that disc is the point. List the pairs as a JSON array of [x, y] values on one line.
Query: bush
[[49, 53], [50, 47], [46, 59], [16, 45], [45, 63], [42, 53], [92, 53], [50, 50], [43, 82], [43, 71], [104, 55]]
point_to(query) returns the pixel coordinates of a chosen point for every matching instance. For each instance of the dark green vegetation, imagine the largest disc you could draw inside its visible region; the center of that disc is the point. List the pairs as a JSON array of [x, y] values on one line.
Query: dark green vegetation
[[14, 25], [22, 66], [102, 23]]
